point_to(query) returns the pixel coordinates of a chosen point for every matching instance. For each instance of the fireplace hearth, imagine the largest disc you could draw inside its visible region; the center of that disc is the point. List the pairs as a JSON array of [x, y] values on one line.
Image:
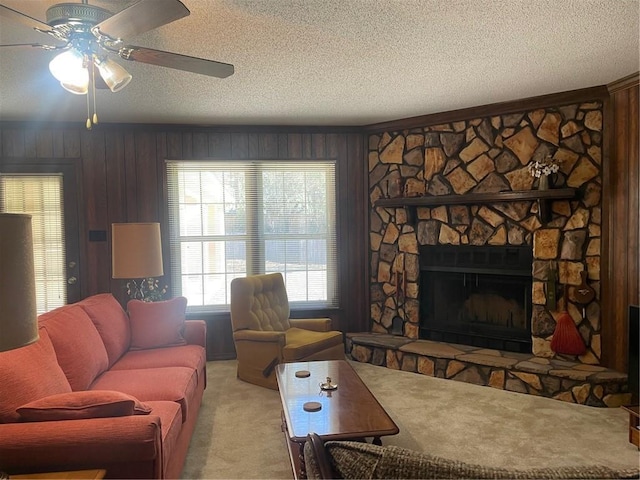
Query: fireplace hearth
[[477, 295]]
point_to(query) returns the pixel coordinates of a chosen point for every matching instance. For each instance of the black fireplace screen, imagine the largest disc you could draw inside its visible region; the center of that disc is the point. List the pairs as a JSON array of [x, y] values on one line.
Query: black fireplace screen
[[477, 296]]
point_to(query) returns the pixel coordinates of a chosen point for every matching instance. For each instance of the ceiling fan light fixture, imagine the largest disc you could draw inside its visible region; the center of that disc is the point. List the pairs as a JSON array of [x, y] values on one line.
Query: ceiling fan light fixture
[[89, 33], [113, 74], [70, 70], [78, 89]]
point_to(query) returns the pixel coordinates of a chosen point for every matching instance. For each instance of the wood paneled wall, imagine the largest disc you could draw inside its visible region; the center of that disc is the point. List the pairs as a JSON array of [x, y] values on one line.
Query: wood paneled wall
[[123, 180], [621, 270]]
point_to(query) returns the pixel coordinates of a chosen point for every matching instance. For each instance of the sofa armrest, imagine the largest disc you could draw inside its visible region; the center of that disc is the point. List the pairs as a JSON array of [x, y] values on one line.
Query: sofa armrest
[[316, 459], [195, 332], [259, 336], [33, 446], [315, 324]]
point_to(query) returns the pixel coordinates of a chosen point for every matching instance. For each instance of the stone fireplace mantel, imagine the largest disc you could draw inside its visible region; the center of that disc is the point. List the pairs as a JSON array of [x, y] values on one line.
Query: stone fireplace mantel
[[543, 197]]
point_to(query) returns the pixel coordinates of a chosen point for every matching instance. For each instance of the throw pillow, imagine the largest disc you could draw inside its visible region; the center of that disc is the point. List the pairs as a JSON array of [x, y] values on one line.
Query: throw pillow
[[29, 373], [157, 324], [84, 404]]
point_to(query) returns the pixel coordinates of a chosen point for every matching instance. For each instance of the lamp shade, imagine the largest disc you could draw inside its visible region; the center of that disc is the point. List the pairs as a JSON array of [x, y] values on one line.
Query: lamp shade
[[70, 70], [113, 74], [136, 250], [18, 312]]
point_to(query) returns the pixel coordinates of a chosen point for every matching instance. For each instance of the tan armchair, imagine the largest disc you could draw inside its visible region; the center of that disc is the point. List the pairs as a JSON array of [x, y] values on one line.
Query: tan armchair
[[265, 336]]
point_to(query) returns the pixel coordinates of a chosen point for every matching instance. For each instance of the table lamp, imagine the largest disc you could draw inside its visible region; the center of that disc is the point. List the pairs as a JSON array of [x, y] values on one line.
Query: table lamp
[[136, 255], [18, 312]]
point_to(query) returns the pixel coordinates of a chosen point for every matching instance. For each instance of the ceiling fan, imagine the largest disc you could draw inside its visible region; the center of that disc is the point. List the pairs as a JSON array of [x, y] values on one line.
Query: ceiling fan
[[87, 35]]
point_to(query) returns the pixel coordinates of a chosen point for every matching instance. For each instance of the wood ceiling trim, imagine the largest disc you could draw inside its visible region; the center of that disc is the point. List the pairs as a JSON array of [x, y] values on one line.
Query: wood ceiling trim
[[555, 99]]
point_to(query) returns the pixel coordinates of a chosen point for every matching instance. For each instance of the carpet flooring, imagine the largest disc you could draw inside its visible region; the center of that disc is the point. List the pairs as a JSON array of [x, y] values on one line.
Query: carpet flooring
[[238, 433]]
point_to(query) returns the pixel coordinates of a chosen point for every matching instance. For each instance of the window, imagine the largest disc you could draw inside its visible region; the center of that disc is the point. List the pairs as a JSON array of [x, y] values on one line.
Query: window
[[41, 197], [232, 219]]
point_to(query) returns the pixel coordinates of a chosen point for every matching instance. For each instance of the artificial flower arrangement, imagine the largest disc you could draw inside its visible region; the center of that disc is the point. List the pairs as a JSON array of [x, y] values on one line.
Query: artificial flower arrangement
[[146, 289], [544, 167]]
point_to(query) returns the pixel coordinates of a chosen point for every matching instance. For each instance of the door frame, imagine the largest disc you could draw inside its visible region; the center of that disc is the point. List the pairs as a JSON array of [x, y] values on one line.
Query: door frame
[[73, 218]]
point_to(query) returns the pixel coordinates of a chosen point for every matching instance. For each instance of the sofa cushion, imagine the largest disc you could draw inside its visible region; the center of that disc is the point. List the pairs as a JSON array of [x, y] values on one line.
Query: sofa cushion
[[157, 324], [192, 356], [111, 321], [177, 384], [301, 343], [85, 404], [77, 343], [27, 374]]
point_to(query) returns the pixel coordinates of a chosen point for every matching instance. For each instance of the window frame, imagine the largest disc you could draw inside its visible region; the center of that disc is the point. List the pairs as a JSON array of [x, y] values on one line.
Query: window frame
[[255, 261]]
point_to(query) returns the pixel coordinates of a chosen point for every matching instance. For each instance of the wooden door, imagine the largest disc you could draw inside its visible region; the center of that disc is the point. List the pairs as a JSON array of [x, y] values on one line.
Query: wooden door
[[66, 276]]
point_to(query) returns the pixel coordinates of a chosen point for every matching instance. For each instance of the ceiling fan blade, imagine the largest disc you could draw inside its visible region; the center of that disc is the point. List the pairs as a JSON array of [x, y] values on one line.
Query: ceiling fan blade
[[177, 61], [141, 17], [30, 22], [33, 45]]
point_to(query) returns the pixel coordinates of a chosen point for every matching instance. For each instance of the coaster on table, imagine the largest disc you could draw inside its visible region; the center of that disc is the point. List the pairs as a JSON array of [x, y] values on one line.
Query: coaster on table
[[303, 373], [312, 406]]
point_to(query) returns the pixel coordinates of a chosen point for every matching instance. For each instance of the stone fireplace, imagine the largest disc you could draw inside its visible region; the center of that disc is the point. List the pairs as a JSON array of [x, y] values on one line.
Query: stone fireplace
[[441, 195], [477, 296], [470, 159]]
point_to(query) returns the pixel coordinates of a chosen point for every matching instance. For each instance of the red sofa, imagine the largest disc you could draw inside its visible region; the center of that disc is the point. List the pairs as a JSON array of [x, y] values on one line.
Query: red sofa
[[103, 389]]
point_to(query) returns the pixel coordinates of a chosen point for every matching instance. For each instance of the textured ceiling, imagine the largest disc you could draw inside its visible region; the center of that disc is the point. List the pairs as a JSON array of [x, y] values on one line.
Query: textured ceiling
[[338, 62]]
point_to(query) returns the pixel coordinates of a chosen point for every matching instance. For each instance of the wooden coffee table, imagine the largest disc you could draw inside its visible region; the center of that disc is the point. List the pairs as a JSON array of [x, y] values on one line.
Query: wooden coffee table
[[350, 412]]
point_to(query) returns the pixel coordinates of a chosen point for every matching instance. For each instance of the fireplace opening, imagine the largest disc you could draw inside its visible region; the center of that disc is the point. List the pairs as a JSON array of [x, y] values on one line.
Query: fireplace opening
[[479, 296]]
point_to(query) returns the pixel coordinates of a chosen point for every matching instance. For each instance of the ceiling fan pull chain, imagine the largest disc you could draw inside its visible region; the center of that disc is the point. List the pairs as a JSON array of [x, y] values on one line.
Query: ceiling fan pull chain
[[89, 64], [88, 113], [93, 89]]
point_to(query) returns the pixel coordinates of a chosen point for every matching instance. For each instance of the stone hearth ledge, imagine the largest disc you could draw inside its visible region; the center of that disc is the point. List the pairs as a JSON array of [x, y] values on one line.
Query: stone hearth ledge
[[571, 382]]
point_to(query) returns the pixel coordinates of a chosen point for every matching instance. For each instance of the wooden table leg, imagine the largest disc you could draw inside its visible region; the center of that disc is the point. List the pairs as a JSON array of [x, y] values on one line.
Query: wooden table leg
[[634, 436], [634, 422], [295, 450]]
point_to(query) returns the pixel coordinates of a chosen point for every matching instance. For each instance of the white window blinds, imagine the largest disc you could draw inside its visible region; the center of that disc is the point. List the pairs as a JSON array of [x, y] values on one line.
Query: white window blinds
[[232, 219], [41, 197]]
